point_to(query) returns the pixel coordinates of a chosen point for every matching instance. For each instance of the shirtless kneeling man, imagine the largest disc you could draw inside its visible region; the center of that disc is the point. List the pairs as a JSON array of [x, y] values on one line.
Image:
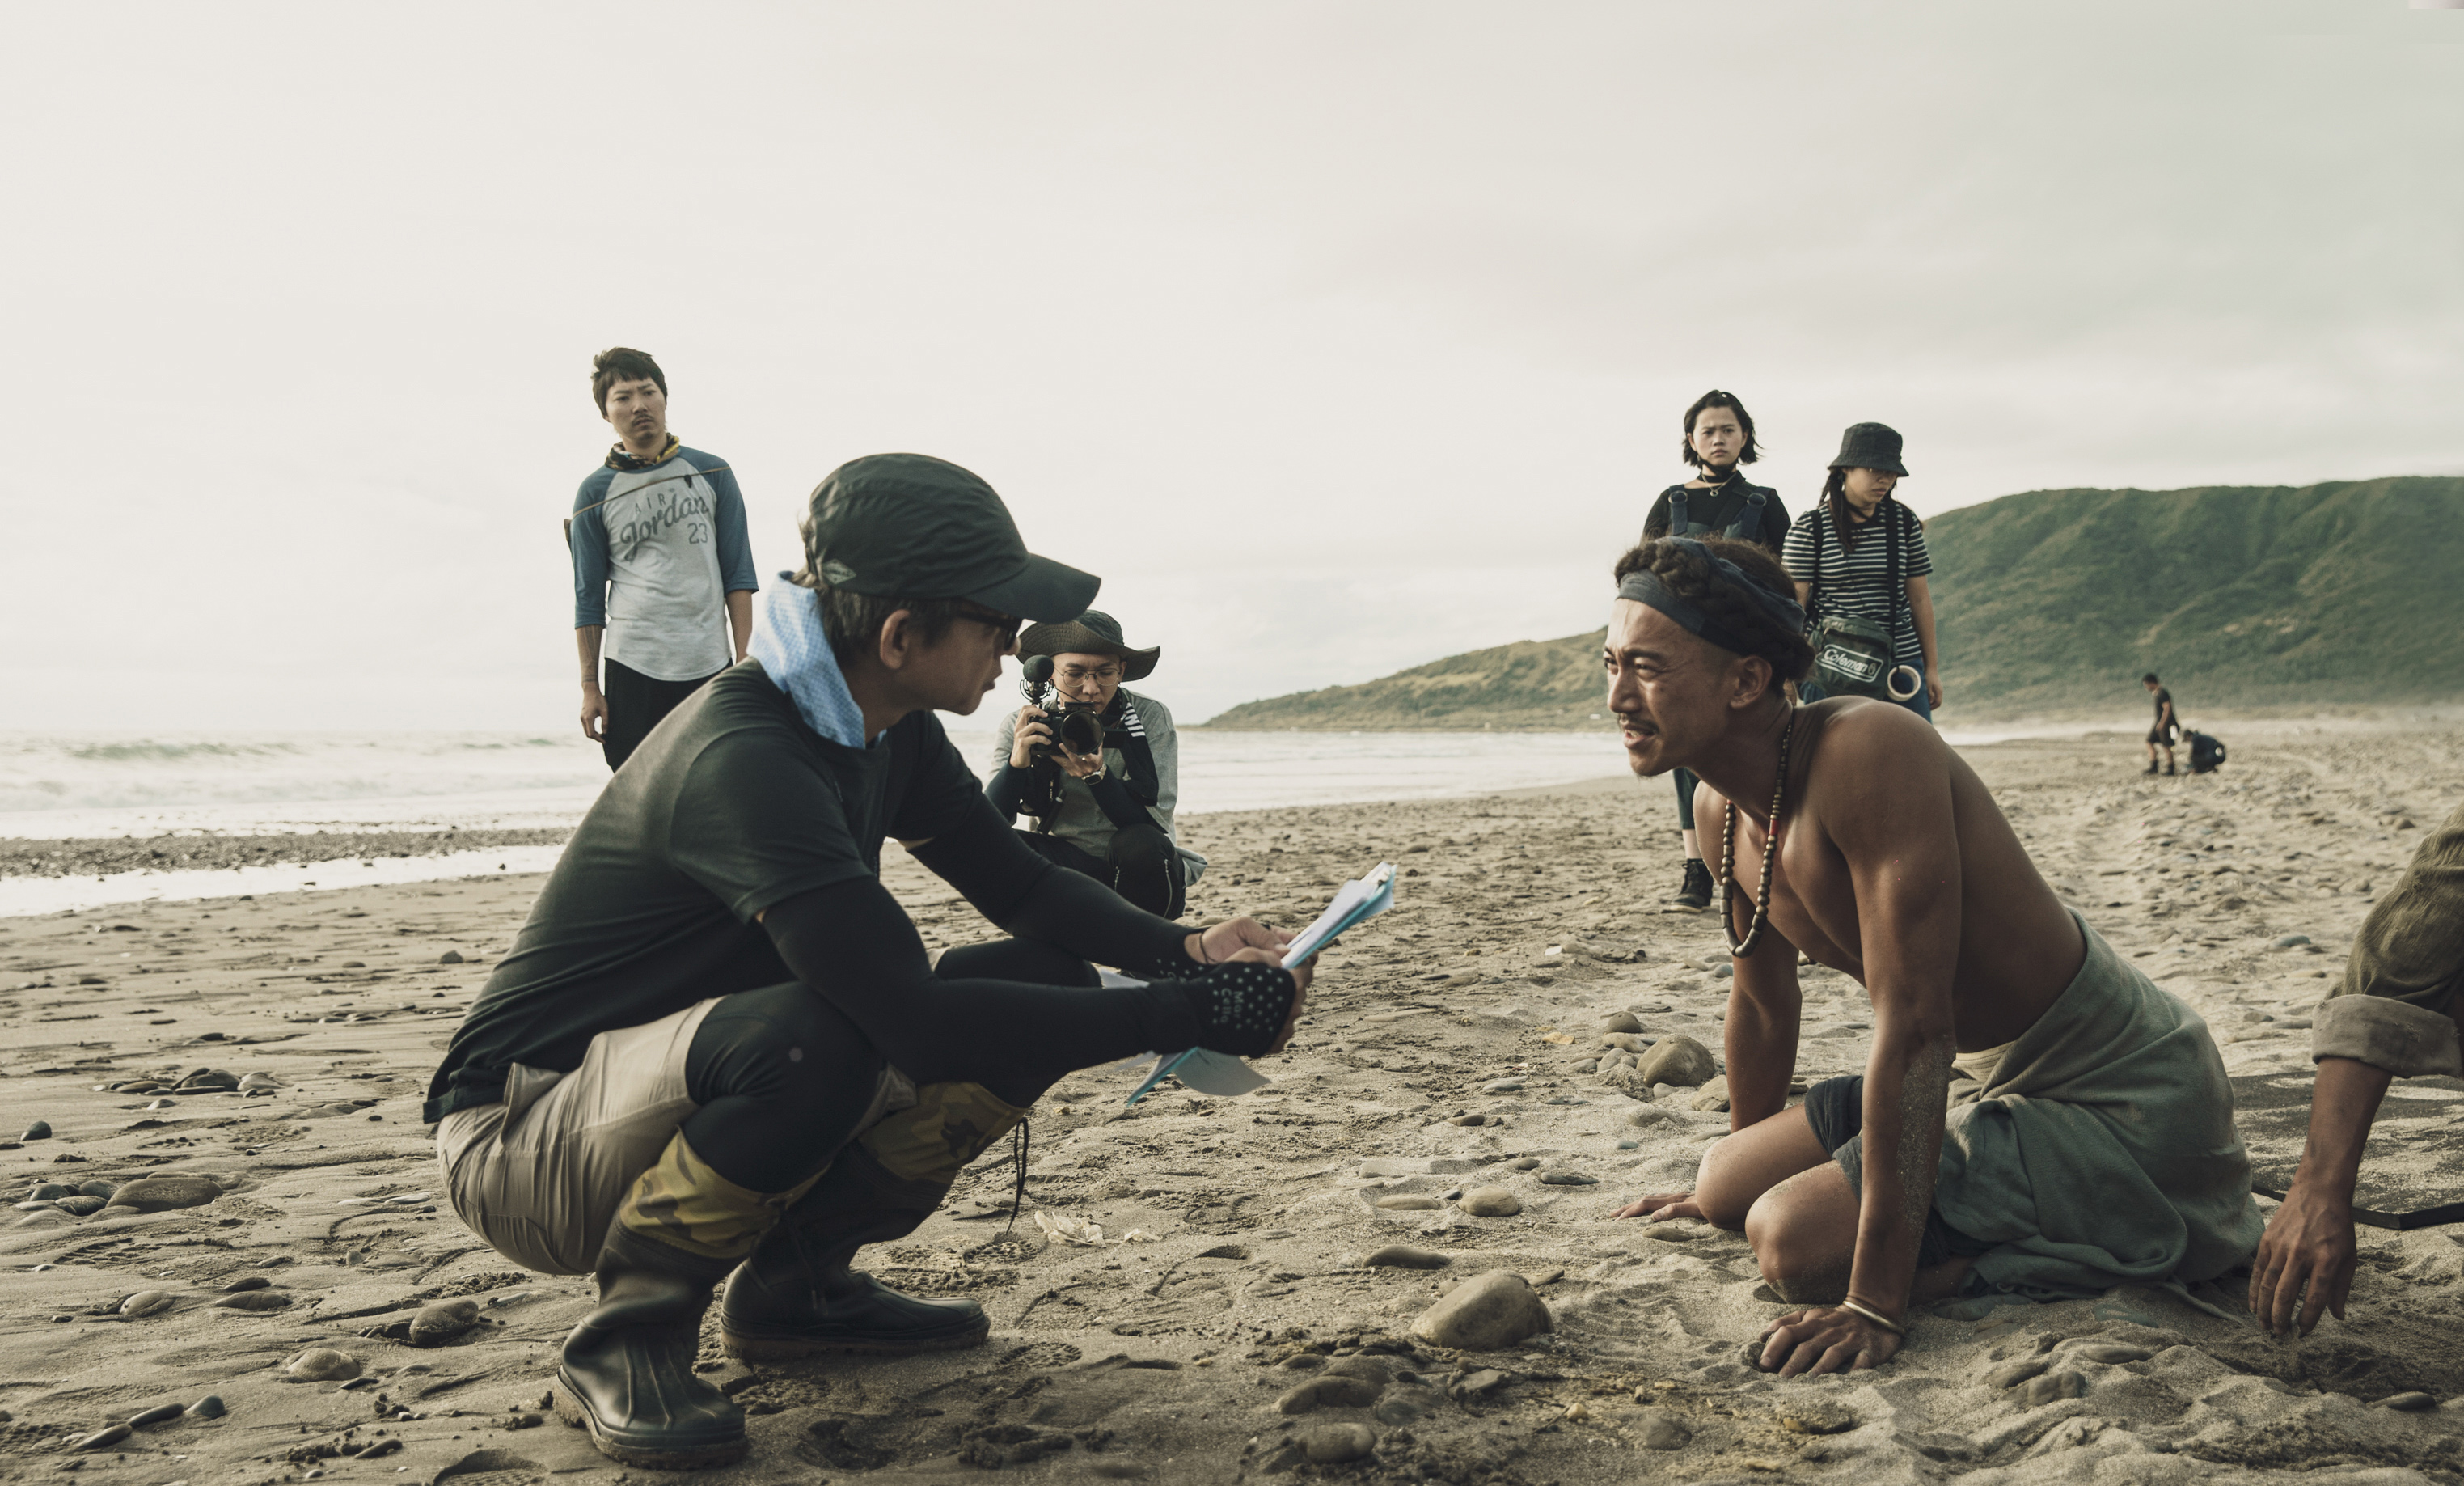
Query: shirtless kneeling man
[[2034, 1117]]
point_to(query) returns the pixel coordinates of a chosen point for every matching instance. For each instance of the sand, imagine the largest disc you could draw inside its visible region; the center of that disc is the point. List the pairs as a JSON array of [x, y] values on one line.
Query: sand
[[1229, 1270]]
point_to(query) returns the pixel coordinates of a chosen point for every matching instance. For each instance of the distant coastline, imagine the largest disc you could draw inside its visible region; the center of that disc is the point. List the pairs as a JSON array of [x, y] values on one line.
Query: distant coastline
[[2269, 601]]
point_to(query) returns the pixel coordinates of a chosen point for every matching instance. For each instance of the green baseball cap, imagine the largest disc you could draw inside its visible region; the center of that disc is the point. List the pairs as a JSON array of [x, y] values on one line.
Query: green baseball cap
[[914, 527]]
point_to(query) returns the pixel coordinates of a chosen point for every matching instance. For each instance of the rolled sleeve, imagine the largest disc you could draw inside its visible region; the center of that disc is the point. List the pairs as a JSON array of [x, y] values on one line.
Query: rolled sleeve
[[2403, 1039], [2396, 1007]]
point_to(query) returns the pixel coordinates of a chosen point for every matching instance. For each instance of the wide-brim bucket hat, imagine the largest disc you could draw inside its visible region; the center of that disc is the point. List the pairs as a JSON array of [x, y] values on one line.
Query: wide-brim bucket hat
[[1870, 446], [1093, 632]]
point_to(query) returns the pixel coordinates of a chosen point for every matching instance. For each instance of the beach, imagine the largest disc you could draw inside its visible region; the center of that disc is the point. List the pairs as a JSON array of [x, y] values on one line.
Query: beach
[[1205, 1289]]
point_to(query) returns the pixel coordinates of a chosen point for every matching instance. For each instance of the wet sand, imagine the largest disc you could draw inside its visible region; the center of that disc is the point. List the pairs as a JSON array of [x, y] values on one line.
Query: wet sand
[[1525, 921]]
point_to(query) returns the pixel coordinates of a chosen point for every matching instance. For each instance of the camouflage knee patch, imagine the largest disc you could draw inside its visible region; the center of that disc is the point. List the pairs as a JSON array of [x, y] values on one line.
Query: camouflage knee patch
[[682, 1202], [950, 1124]]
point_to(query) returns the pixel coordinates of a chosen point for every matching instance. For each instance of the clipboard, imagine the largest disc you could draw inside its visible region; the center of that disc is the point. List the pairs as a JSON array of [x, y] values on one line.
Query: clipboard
[[1356, 902]]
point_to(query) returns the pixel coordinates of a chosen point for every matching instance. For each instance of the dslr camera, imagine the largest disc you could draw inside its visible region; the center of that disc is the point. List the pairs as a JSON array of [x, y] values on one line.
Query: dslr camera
[[1073, 723]]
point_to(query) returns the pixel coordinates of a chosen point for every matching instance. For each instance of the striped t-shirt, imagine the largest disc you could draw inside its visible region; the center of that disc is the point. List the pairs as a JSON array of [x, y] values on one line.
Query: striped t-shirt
[[1859, 583]]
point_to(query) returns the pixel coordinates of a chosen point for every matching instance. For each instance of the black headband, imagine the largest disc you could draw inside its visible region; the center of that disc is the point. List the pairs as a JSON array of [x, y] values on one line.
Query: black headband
[[1644, 586]]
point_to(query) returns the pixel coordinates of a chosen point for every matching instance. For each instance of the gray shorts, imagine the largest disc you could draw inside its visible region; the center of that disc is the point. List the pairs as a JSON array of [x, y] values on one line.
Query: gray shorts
[[541, 1176]]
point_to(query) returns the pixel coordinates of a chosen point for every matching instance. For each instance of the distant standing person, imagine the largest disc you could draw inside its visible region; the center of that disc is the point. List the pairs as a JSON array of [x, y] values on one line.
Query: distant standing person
[[2169, 725], [1718, 502], [662, 568], [1860, 567]]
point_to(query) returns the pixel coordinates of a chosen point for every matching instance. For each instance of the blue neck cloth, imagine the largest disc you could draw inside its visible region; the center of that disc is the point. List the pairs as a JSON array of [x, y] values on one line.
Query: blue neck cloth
[[1643, 587], [796, 654]]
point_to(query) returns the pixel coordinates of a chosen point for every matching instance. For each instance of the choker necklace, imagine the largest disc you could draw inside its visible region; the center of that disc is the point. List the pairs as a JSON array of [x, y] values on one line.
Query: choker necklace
[[1729, 860]]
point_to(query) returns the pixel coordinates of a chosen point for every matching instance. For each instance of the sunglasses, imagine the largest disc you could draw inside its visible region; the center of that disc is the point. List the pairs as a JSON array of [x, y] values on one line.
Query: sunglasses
[[1003, 626]]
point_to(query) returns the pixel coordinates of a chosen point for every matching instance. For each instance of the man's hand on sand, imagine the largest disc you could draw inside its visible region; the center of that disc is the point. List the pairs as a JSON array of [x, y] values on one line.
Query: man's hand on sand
[[1825, 1339], [1660, 1207], [594, 714], [2308, 1246]]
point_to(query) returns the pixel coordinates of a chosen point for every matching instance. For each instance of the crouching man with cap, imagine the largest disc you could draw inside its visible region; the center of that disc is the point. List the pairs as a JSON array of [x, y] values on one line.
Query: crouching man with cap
[[1106, 813], [2088, 1139], [719, 1049]]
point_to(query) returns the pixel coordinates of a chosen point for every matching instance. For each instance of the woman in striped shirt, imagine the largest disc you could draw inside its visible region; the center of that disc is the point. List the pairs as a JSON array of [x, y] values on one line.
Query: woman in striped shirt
[[1862, 553]]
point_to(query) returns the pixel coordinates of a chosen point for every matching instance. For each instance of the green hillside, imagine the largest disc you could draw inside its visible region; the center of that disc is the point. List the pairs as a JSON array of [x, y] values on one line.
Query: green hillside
[[2339, 593]]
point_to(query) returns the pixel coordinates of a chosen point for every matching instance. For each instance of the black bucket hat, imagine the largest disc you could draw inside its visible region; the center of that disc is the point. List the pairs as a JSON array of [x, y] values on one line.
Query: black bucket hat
[[1093, 632], [1870, 446], [917, 527]]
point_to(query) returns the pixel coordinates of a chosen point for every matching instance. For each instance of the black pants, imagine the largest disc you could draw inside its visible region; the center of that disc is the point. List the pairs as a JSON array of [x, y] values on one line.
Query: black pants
[[1836, 1110], [635, 703], [1686, 783], [784, 1077], [1143, 865]]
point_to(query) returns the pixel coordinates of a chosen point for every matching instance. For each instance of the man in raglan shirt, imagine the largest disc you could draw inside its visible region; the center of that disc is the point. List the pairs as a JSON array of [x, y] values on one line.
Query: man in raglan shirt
[[659, 556]]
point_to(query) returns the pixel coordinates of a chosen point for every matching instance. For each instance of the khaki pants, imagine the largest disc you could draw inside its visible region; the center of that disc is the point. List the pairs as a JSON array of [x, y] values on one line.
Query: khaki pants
[[541, 1176]]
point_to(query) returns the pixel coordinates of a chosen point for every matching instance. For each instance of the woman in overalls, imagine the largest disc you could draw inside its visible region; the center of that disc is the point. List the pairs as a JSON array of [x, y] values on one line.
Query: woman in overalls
[[1718, 502]]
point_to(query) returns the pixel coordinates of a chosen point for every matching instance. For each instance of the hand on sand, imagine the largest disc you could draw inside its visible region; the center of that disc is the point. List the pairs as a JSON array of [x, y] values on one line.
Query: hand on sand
[[1825, 1339], [594, 715], [1660, 1207], [2308, 1246]]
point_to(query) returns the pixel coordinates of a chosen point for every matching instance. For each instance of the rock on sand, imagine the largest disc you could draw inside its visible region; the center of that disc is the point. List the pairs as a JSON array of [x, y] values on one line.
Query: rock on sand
[[1486, 1314]]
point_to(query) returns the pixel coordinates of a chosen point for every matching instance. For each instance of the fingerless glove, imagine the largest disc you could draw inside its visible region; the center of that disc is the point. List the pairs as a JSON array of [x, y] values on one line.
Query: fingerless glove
[[1241, 1008]]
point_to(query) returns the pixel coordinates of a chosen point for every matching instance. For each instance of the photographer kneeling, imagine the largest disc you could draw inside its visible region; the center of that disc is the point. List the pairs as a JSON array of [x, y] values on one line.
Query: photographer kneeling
[[1096, 766]]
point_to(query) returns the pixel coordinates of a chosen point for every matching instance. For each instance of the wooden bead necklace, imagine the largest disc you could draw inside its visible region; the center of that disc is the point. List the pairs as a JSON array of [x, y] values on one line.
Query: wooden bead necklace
[[1729, 860]]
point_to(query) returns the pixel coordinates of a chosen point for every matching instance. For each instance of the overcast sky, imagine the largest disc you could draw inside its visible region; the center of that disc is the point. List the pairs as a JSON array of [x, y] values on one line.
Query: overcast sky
[[1336, 337]]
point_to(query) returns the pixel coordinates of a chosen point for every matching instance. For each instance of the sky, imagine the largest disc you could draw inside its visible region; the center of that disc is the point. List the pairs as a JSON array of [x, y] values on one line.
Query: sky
[[1336, 337]]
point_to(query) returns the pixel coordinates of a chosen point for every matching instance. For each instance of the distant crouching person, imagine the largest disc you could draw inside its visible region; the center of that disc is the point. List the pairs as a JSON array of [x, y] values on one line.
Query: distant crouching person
[[1105, 813]]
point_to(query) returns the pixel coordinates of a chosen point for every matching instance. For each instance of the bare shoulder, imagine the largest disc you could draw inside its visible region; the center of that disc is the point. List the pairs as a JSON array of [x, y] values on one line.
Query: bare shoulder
[[1873, 739]]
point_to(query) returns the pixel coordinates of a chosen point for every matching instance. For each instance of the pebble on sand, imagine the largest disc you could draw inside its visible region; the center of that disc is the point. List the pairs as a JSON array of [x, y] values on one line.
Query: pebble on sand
[[323, 1364], [254, 1300], [1333, 1444], [210, 1407], [1816, 1416], [440, 1322], [2052, 1388], [146, 1302], [1493, 1086], [246, 1282], [39, 1130], [2409, 1403], [1659, 1430], [1408, 1204], [1679, 1059], [1329, 1393], [1491, 1202], [1621, 1021], [164, 1193], [1567, 1179], [1712, 1096], [1486, 1314], [450, 957], [1403, 1256], [102, 1439], [1625, 1042], [157, 1414]]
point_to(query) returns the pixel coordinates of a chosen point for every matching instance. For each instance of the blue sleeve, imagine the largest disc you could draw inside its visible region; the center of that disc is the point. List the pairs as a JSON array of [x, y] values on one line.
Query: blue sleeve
[[735, 549], [587, 538]]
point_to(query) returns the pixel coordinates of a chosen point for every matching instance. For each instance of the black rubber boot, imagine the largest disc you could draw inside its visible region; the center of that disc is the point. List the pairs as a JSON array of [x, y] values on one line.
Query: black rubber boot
[[2152, 766], [628, 1371], [1697, 891], [797, 1295], [2169, 770]]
